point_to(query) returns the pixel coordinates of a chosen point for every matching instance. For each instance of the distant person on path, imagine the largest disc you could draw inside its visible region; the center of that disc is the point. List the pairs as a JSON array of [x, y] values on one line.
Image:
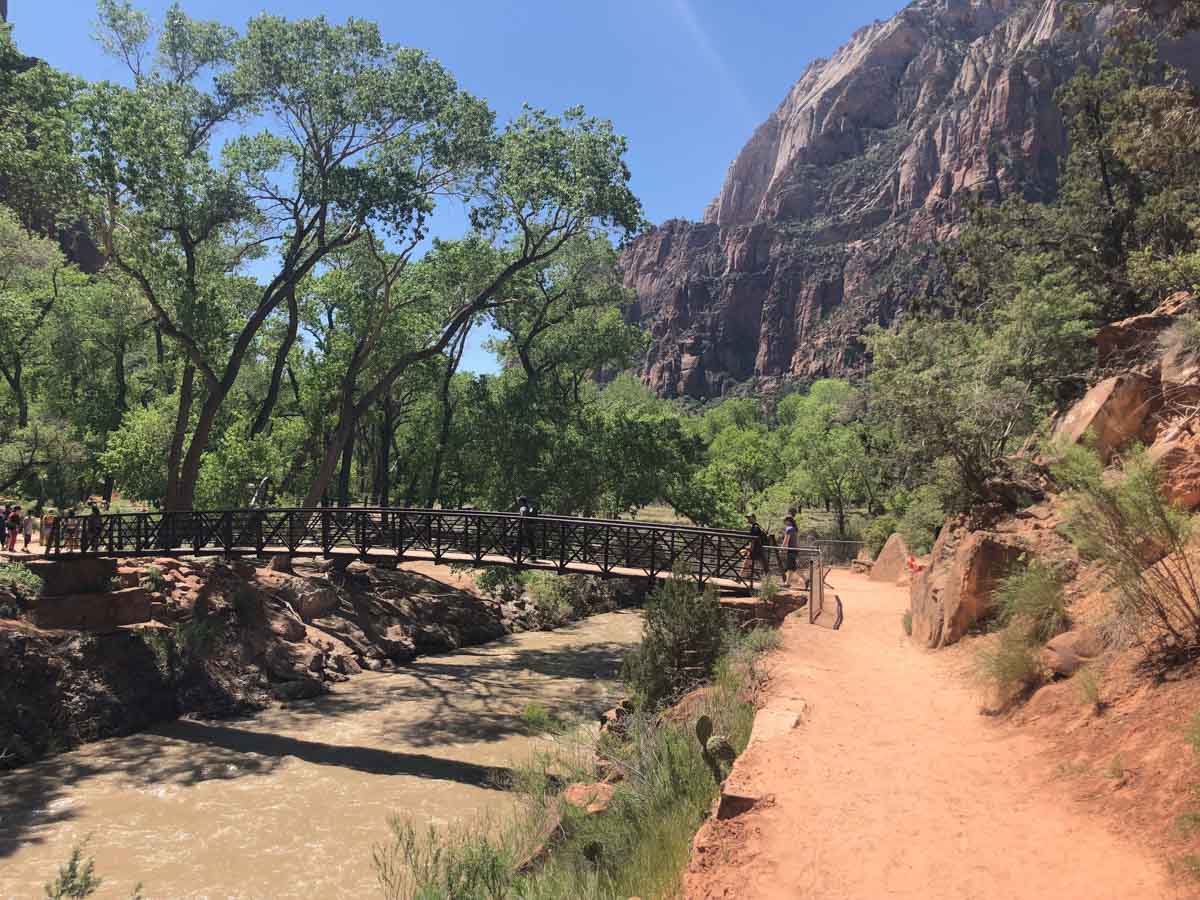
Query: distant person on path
[[790, 544], [756, 552], [95, 524], [50, 535], [27, 523], [13, 527], [71, 527], [525, 533]]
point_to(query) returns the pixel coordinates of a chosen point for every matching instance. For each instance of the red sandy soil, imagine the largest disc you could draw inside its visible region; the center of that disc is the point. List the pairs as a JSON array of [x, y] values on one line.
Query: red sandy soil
[[894, 785]]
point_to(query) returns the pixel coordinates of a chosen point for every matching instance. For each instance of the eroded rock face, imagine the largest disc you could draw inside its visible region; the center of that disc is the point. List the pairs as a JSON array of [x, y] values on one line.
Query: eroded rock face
[[1178, 458], [829, 217], [1114, 412], [954, 591]]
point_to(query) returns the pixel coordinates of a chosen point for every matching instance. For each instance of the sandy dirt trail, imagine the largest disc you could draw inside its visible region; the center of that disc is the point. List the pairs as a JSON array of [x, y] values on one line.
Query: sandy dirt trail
[[894, 785]]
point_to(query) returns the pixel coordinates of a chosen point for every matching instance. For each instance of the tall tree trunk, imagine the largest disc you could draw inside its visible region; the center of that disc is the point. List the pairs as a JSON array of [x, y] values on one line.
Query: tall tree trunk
[[175, 453], [452, 362], [343, 489], [281, 358], [383, 474]]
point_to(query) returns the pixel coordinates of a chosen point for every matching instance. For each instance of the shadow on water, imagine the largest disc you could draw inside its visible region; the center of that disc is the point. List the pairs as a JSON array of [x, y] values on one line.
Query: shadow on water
[[478, 695]]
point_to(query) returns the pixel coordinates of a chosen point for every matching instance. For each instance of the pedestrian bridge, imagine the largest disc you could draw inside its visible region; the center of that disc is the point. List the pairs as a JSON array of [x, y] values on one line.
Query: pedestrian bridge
[[563, 544]]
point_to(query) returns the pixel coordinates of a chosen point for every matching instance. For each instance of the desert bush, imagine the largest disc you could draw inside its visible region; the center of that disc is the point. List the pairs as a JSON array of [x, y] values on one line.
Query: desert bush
[[153, 579], [500, 582], [452, 862], [684, 633], [1087, 683], [559, 599], [1184, 335], [906, 622], [1031, 598], [922, 518], [196, 639], [20, 580], [76, 878], [1139, 538], [768, 589], [537, 719], [1010, 665]]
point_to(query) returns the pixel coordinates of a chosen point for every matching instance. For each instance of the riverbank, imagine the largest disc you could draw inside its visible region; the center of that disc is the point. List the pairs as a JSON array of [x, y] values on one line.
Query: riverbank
[[289, 803], [229, 639], [892, 784]]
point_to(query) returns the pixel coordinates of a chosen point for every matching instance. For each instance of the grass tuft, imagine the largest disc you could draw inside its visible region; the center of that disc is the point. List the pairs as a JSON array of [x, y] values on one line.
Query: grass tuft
[[1032, 599], [1010, 665]]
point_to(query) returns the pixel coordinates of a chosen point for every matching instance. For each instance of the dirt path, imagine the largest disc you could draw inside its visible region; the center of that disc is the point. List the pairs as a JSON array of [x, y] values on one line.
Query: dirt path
[[894, 785]]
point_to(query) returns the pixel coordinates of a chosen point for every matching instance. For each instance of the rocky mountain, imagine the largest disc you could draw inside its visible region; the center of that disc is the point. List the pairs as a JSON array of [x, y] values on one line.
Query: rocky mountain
[[830, 216]]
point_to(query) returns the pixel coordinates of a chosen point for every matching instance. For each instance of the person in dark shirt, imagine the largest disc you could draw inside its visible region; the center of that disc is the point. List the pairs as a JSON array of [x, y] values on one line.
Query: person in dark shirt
[[790, 543]]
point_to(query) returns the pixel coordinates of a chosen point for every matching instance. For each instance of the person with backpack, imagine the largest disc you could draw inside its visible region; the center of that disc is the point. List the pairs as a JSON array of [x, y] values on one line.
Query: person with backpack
[[12, 526], [527, 510], [756, 551], [50, 535]]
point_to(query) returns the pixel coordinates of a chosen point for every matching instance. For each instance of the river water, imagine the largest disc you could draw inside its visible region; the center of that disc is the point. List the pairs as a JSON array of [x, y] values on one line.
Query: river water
[[290, 802]]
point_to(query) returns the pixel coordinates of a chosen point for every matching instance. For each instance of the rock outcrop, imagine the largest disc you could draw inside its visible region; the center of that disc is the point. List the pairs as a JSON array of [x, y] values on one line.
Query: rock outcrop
[[828, 218], [1111, 414], [892, 560], [955, 590]]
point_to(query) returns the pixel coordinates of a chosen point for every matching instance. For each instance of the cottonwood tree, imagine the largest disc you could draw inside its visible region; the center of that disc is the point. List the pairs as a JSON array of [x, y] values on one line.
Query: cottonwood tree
[[549, 180], [262, 153]]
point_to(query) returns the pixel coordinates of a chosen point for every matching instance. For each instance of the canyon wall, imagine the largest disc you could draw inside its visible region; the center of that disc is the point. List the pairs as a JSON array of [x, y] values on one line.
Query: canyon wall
[[830, 216]]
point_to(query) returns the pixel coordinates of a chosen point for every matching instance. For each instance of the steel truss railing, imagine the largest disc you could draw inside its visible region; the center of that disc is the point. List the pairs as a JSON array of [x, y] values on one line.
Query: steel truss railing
[[562, 543]]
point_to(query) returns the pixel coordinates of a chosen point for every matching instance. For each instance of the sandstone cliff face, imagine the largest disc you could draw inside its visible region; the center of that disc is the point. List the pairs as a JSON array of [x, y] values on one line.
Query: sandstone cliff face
[[829, 217]]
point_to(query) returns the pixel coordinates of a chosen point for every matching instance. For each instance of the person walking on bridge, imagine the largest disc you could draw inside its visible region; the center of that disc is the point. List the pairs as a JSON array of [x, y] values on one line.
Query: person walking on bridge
[[790, 544], [756, 551], [12, 527]]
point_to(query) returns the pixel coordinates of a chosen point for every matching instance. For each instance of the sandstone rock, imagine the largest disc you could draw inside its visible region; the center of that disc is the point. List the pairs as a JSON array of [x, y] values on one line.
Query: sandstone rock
[[293, 661], [1131, 340], [311, 596], [954, 592], [301, 689], [90, 575], [892, 559], [591, 798], [1115, 412], [1067, 653], [93, 612], [1179, 462], [1179, 374]]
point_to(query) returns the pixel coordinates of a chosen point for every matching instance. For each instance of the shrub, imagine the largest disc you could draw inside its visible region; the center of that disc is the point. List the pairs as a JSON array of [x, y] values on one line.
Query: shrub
[[1031, 598], [923, 518], [1183, 335], [195, 639], [1010, 665], [500, 583], [537, 719], [683, 636], [466, 863], [153, 579], [559, 599], [769, 589], [906, 622], [877, 533], [1138, 537], [1087, 683], [20, 580], [1192, 733]]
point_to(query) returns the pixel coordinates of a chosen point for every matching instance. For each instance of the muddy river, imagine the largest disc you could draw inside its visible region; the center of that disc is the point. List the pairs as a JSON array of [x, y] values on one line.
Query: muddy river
[[289, 803]]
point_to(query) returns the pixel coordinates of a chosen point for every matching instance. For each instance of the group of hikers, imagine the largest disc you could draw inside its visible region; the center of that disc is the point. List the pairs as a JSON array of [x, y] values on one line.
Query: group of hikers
[[52, 531], [757, 551]]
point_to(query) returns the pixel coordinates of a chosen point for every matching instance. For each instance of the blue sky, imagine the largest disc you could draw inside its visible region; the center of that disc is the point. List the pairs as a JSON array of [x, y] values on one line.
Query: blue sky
[[686, 81]]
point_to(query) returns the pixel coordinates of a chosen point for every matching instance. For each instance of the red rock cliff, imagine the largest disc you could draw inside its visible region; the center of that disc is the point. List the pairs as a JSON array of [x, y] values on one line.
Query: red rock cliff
[[829, 217]]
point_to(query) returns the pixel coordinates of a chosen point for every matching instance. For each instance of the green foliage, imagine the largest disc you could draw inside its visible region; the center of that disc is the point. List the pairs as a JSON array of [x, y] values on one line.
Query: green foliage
[[153, 579], [1031, 599], [1087, 683], [637, 847], [76, 878], [768, 589], [195, 639], [1183, 335], [683, 636], [923, 518], [559, 599], [906, 622], [877, 533], [1192, 733], [1124, 522], [500, 582], [20, 579], [537, 719], [1010, 665]]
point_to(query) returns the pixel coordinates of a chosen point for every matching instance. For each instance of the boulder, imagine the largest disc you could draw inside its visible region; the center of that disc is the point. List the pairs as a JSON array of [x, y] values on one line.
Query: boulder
[[591, 798], [293, 661], [1178, 459], [1179, 375], [91, 575], [1115, 411], [300, 689], [892, 560], [1128, 341], [1069, 652], [311, 596], [954, 591]]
